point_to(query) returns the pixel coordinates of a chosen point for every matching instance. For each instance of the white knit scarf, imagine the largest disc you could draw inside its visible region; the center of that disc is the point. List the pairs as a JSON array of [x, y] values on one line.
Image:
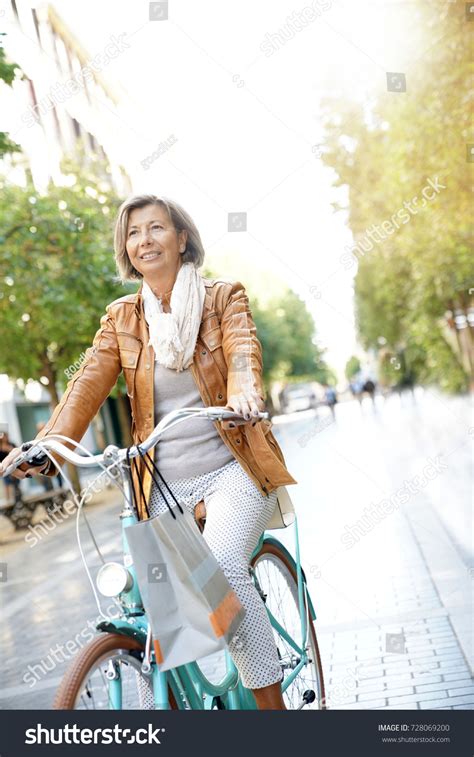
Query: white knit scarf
[[173, 335]]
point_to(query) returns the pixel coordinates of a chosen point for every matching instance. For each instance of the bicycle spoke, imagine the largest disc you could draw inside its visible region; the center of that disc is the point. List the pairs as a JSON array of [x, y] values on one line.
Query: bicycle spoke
[[279, 586]]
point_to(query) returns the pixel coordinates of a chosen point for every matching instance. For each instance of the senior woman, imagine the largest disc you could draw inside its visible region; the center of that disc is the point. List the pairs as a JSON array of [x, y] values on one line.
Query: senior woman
[[183, 340]]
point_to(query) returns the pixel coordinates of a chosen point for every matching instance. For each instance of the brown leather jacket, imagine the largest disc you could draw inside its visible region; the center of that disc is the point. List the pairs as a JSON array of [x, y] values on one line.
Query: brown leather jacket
[[227, 337]]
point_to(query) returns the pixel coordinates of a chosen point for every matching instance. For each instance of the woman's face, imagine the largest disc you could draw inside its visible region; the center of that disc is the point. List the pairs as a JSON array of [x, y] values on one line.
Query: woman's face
[[153, 244]]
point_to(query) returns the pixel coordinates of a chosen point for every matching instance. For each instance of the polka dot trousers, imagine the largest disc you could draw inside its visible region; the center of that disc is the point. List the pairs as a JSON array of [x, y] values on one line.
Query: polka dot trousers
[[237, 513]]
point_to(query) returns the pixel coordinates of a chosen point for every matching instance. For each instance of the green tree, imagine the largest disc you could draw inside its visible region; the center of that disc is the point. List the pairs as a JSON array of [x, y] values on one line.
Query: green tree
[[387, 154], [287, 332], [58, 270], [7, 75], [352, 367]]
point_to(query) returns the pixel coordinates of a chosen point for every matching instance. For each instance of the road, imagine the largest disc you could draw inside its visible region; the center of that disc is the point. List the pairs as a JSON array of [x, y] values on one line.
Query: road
[[385, 524]]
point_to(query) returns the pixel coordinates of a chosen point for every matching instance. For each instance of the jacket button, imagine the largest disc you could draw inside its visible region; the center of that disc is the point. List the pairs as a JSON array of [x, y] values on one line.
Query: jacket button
[[219, 396], [203, 352], [265, 489], [267, 480], [147, 367], [238, 441]]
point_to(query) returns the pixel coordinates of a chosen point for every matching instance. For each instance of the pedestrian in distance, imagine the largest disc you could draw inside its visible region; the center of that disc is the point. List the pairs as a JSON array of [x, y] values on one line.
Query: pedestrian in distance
[[12, 485], [331, 399], [369, 387]]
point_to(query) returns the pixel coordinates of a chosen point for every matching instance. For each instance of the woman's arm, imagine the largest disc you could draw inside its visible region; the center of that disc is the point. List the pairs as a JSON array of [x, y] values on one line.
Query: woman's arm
[[243, 355]]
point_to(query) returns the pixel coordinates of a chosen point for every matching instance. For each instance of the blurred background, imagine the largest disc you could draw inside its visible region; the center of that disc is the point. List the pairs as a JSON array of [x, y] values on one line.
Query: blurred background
[[324, 152]]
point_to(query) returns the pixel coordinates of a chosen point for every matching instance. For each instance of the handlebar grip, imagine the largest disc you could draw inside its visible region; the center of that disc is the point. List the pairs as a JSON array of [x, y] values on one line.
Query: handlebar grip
[[230, 415]]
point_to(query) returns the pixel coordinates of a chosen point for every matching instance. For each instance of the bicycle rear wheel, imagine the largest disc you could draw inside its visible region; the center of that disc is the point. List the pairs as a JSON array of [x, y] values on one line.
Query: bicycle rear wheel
[[85, 685], [277, 578]]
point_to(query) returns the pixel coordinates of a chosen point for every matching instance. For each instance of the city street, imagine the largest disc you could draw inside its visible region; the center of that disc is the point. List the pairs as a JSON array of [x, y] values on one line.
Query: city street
[[385, 527]]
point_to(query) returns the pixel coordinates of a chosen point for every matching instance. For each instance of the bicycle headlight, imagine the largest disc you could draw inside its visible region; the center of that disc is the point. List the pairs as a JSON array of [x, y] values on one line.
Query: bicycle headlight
[[112, 579]]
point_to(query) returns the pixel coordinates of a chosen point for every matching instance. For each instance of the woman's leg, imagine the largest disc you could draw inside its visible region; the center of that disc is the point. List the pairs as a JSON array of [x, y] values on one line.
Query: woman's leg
[[237, 513]]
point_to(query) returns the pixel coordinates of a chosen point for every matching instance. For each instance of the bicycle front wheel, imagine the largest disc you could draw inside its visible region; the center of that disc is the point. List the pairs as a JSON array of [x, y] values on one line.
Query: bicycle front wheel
[[110, 660], [277, 579]]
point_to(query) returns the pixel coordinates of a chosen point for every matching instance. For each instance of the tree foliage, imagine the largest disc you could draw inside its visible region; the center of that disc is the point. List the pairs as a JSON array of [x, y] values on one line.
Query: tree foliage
[[58, 270], [352, 367], [7, 75], [287, 333], [419, 268]]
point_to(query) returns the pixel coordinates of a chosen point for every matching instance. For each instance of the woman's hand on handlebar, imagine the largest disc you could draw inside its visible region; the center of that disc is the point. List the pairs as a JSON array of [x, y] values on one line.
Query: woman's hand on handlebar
[[248, 403], [25, 470]]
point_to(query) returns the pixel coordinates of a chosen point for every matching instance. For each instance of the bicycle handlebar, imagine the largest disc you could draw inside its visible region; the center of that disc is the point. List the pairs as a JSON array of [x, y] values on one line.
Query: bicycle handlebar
[[36, 449]]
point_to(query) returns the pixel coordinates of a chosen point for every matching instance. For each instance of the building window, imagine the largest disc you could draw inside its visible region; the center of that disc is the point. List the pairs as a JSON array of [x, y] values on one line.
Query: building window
[[35, 21], [33, 99], [77, 128], [92, 141], [15, 10], [58, 127]]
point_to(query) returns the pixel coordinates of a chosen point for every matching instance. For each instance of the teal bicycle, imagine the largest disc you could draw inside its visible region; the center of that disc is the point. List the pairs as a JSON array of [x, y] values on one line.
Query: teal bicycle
[[117, 669]]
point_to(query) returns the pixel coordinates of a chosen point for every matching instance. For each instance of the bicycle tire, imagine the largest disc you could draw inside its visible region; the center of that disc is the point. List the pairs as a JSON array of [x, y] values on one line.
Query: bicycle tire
[[270, 548], [86, 660]]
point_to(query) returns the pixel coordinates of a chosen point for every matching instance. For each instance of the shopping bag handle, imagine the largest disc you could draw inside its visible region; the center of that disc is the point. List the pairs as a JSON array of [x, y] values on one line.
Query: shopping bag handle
[[134, 462], [155, 481]]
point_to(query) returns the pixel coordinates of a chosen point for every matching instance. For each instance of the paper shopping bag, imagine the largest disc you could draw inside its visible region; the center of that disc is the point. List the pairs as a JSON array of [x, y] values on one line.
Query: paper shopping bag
[[190, 604]]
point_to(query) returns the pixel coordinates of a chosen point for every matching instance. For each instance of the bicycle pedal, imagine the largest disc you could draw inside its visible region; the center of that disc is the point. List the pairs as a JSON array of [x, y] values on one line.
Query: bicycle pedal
[[308, 698]]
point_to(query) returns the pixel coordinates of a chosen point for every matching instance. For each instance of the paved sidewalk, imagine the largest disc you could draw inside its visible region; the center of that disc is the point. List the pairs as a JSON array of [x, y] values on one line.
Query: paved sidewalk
[[395, 608]]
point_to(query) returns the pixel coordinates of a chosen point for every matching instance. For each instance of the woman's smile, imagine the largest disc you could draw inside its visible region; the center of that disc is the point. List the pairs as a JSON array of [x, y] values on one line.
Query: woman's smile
[[150, 255]]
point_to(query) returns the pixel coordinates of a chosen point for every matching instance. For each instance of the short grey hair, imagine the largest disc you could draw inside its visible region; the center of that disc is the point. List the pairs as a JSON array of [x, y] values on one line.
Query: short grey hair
[[180, 219]]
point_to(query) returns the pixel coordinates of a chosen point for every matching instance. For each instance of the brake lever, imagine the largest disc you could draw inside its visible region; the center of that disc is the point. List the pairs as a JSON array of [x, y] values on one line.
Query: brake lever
[[39, 458]]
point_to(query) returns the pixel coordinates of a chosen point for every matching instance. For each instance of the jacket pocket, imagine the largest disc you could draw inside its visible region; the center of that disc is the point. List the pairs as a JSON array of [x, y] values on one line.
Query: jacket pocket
[[130, 348], [212, 340]]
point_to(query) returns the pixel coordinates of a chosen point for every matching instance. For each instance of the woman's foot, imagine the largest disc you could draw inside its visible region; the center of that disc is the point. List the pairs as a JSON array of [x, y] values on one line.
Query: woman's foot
[[269, 697]]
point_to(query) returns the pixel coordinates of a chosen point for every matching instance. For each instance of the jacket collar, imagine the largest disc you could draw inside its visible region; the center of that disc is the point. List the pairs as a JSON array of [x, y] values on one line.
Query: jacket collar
[[207, 300]]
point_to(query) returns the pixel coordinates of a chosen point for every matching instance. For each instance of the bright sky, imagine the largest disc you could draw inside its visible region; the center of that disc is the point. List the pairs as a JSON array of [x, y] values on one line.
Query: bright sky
[[246, 126]]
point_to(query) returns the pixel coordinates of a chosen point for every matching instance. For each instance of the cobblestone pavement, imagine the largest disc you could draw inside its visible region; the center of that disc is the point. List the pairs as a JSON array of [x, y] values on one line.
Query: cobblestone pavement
[[391, 583]]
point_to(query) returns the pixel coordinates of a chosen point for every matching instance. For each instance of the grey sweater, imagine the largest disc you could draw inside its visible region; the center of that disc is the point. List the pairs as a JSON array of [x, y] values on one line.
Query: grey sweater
[[194, 446]]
